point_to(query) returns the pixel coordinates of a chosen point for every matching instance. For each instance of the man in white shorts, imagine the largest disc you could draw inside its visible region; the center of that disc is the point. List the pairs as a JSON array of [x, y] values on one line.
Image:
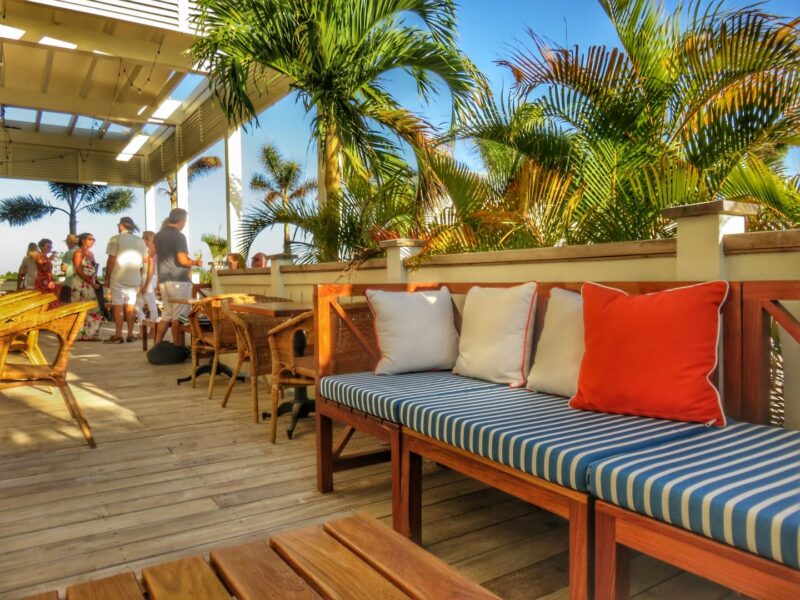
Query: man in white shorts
[[174, 271], [126, 255]]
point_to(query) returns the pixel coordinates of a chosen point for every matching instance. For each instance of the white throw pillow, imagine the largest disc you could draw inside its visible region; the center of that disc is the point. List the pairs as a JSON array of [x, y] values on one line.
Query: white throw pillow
[[415, 330], [496, 334], [560, 349]]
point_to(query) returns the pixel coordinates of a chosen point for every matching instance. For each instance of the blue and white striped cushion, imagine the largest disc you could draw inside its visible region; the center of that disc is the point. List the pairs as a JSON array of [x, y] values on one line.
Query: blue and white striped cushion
[[535, 433], [382, 395], [739, 485]]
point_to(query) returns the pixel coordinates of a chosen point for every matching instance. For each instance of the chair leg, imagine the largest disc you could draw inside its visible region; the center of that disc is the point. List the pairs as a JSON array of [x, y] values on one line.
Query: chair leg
[[231, 383], [75, 409], [254, 395], [194, 366], [273, 422], [214, 367]]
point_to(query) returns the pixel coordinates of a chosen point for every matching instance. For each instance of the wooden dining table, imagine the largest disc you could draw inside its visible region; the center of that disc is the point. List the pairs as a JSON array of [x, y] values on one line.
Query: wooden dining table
[[301, 406]]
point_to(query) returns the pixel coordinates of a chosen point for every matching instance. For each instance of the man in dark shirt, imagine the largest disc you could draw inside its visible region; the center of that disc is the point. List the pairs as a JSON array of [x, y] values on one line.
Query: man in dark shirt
[[174, 271]]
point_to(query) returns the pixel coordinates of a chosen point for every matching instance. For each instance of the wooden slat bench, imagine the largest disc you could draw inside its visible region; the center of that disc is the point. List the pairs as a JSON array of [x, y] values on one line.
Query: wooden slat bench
[[355, 557]]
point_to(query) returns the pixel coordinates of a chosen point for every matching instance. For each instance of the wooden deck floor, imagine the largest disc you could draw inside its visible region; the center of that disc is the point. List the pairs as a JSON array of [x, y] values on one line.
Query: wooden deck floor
[[175, 475]]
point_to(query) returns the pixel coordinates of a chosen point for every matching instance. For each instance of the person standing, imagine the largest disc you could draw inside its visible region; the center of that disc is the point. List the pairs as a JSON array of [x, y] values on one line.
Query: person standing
[[44, 274], [67, 268], [126, 255], [85, 286], [147, 293], [26, 277], [174, 271]]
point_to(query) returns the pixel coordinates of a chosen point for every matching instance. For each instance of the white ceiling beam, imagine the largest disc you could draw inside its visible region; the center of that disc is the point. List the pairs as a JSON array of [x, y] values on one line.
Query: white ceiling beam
[[123, 112], [72, 142], [172, 53]]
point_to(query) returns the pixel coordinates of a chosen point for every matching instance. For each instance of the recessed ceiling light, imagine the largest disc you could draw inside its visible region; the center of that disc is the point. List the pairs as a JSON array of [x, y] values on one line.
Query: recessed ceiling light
[[48, 41], [11, 33], [99, 183], [141, 110]]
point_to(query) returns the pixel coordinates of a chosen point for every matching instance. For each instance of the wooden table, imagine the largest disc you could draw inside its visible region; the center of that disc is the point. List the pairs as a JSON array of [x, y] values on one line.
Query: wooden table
[[355, 558], [273, 309]]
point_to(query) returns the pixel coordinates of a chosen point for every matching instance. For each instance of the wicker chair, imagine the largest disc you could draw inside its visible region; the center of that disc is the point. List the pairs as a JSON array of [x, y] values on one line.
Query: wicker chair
[[219, 337], [26, 307], [65, 322], [252, 338], [289, 370], [16, 296]]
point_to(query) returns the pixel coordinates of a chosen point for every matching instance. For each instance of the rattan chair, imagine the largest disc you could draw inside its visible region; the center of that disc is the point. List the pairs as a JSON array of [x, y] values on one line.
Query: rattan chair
[[219, 336], [288, 369], [26, 307], [65, 322], [253, 342], [16, 296]]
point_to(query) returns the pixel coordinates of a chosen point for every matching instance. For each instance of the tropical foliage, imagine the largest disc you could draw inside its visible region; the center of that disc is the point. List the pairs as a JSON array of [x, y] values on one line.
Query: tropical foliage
[[282, 182], [349, 226], [696, 105], [68, 198], [197, 168], [217, 245], [339, 56]]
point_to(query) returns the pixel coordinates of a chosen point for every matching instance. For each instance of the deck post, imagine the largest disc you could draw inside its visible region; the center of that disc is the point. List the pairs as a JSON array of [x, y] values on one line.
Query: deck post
[[397, 251], [150, 223], [234, 173], [701, 229], [182, 188]]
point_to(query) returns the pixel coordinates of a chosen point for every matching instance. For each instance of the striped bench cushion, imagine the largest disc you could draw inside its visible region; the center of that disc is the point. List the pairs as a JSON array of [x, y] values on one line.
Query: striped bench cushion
[[739, 485], [382, 395], [535, 433]]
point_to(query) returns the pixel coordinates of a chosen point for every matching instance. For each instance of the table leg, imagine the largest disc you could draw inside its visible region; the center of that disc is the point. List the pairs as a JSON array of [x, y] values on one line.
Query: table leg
[[206, 370]]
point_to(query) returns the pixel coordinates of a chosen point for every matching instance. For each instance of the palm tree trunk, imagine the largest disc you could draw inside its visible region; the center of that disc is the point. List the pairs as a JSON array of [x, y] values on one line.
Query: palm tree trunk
[[287, 249], [73, 222], [333, 151]]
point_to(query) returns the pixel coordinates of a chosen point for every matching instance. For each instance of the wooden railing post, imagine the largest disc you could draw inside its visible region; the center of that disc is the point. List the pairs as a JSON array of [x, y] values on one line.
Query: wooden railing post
[[397, 251]]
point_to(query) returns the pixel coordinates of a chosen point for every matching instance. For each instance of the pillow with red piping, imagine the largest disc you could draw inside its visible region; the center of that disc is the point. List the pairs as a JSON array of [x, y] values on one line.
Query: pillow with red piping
[[653, 354], [496, 334]]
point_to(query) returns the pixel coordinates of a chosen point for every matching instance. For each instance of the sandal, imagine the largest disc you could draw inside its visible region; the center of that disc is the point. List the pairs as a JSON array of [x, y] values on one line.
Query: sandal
[[114, 339]]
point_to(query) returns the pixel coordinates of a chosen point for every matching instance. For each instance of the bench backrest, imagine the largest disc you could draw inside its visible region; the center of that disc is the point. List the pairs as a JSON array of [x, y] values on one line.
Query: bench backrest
[[346, 342]]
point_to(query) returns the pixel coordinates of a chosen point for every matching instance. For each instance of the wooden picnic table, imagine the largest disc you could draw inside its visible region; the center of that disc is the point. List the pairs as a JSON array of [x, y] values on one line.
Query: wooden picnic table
[[355, 558]]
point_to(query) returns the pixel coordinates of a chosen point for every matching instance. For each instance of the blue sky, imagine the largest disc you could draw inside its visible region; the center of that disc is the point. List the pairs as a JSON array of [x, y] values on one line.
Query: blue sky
[[488, 30]]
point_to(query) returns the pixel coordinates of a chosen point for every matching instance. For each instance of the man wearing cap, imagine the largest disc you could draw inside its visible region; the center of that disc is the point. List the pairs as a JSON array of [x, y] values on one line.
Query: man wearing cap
[[68, 269], [126, 255]]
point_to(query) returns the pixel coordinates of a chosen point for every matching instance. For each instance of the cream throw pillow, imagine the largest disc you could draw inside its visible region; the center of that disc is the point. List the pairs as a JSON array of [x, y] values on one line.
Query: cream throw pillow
[[560, 349], [496, 334], [415, 330]]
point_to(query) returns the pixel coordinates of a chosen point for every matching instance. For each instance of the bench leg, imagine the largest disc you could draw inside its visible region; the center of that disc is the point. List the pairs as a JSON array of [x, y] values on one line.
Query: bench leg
[[581, 539], [324, 452], [143, 333], [612, 579], [407, 513]]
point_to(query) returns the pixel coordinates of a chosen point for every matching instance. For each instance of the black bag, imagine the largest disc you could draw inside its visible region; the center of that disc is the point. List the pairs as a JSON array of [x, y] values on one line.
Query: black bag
[[167, 353]]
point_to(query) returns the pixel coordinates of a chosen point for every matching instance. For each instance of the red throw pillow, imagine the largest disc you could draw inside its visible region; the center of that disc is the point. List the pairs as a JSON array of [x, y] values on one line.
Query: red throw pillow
[[652, 355]]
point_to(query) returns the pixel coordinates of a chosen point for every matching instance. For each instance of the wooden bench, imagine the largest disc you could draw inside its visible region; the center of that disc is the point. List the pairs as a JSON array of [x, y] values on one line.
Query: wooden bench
[[407, 447], [355, 557]]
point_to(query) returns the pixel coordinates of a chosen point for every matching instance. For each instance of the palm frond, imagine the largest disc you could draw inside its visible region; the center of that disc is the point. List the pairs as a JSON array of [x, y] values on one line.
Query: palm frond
[[21, 210]]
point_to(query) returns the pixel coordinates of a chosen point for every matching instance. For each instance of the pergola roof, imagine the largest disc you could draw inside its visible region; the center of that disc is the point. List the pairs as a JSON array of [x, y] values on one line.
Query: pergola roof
[[80, 80]]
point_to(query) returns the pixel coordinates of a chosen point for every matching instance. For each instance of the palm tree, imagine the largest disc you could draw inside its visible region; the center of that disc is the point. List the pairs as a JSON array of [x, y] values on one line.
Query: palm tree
[[695, 105], [349, 226], [217, 245], [337, 54], [280, 182], [198, 168], [70, 198]]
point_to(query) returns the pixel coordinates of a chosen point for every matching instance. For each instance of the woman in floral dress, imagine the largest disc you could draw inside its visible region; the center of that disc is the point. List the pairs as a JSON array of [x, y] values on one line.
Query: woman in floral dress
[[85, 286], [44, 271]]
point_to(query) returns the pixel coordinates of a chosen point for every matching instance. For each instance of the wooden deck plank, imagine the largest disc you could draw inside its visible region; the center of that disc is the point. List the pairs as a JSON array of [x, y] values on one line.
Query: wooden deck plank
[[186, 579], [253, 571], [330, 568], [124, 586], [401, 561]]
